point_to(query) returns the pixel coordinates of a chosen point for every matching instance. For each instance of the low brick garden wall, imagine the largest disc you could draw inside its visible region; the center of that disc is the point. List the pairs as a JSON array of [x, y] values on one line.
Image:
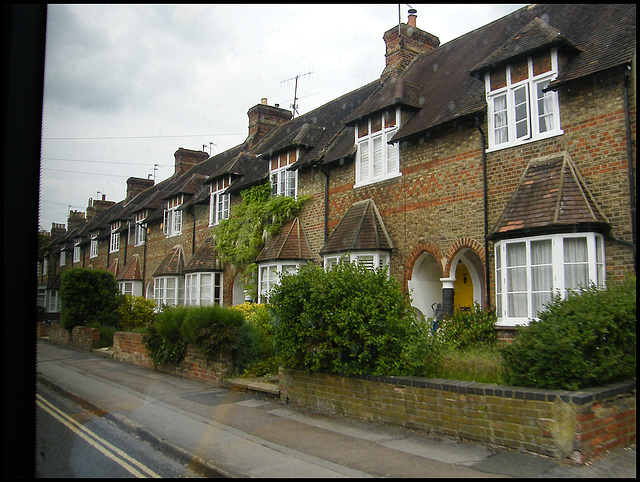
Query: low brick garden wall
[[564, 424], [129, 348], [80, 337]]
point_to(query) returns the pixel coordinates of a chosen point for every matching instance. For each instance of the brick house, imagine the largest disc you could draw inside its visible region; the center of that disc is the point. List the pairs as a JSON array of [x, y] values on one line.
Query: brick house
[[497, 169]]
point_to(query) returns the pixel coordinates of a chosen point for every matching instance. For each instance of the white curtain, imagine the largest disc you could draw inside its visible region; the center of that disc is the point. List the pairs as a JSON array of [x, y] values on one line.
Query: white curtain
[[545, 107], [541, 275], [500, 119], [576, 267], [516, 280]]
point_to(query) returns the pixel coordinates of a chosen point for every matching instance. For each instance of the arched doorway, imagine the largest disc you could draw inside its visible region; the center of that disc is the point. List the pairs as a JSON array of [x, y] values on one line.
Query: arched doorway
[[424, 286], [469, 285]]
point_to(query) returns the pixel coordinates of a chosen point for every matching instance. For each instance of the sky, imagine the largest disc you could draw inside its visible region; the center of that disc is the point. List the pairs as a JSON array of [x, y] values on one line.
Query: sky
[[127, 85]]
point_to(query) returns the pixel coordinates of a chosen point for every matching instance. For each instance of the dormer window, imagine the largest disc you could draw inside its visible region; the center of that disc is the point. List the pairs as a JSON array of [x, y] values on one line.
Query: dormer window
[[173, 216], [140, 229], [114, 244], [283, 181], [376, 160], [519, 109], [219, 201]]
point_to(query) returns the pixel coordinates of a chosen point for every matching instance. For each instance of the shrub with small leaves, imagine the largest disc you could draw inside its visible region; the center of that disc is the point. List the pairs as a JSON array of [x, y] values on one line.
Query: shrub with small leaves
[[348, 320], [467, 329], [585, 340], [88, 296], [135, 312], [212, 329], [163, 339]]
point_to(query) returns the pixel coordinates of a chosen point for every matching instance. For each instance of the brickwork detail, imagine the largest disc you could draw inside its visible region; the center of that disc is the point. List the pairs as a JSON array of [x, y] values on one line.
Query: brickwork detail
[[130, 348], [81, 338], [561, 424]]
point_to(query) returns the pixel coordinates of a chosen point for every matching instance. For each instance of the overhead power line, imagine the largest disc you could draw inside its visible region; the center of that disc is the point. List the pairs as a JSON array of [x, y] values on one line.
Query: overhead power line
[[133, 137], [105, 162]]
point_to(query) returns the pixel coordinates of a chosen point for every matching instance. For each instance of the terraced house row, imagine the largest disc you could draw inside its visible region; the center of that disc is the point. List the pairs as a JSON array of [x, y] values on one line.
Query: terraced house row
[[497, 169]]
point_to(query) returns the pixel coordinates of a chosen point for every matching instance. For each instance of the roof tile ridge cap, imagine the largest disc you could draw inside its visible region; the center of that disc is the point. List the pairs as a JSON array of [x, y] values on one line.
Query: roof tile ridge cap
[[587, 196], [382, 226]]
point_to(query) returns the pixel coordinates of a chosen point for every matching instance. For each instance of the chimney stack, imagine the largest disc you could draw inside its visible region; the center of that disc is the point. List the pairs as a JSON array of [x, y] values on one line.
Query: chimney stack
[[135, 185], [185, 159], [57, 229], [403, 43], [76, 218], [96, 206], [263, 118]]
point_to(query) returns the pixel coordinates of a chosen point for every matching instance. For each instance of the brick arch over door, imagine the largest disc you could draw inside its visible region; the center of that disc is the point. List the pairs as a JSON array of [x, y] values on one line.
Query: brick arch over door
[[467, 258], [422, 274]]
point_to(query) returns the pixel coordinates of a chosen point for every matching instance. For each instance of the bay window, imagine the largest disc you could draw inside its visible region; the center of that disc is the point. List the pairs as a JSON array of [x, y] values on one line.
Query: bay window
[[376, 160], [203, 289], [369, 259], [168, 290], [519, 109], [529, 271], [269, 277]]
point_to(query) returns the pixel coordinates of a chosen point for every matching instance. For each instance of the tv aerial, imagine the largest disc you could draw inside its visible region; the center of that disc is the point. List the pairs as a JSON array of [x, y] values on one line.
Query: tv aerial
[[294, 106]]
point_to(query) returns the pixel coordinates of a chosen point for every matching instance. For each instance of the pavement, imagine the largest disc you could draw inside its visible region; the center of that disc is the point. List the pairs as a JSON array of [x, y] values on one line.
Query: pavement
[[225, 432]]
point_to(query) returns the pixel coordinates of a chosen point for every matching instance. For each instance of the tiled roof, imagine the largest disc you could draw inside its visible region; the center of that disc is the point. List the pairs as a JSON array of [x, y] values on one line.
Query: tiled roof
[[361, 229], [131, 271], [204, 259], [173, 262], [551, 195], [289, 243]]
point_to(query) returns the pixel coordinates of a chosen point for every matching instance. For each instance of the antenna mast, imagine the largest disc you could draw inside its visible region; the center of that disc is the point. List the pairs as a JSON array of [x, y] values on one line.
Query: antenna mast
[[294, 106]]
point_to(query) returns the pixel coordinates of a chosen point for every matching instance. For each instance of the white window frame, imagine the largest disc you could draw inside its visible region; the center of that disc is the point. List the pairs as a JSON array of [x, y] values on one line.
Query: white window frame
[[93, 246], [172, 224], [376, 159], [269, 275], [63, 257], [168, 290], [52, 301], [370, 259], [114, 242], [76, 250], [512, 285], [284, 182], [203, 288], [502, 108], [45, 266], [219, 201], [140, 229]]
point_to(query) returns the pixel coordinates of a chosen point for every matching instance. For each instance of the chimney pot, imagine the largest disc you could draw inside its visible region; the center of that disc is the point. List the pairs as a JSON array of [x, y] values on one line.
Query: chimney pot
[[264, 101], [412, 17]]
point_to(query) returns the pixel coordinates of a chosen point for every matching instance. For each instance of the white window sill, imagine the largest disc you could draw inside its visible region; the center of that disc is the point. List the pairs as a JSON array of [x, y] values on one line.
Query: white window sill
[[375, 181], [508, 145]]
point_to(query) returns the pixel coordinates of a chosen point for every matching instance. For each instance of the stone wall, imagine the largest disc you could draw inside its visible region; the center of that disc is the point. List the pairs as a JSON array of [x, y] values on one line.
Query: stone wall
[[563, 424], [130, 348]]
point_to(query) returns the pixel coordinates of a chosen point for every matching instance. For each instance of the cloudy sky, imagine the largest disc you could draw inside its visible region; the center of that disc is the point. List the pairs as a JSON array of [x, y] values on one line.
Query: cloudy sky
[[127, 85]]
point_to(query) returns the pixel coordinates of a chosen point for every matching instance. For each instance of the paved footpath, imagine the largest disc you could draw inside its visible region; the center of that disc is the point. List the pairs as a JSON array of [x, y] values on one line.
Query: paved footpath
[[225, 432]]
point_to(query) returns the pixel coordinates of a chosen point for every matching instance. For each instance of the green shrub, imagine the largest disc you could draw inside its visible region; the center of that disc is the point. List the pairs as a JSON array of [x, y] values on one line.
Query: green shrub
[[212, 329], [467, 329], [135, 312], [106, 334], [163, 339], [348, 320], [88, 296], [587, 339]]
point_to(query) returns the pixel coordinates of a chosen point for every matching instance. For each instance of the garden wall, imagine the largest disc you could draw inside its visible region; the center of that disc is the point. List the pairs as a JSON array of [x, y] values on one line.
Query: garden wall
[[80, 337], [130, 348], [564, 424]]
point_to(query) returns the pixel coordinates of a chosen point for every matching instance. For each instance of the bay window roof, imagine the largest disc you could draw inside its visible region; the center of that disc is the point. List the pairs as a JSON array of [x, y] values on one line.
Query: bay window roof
[[361, 229], [551, 196], [290, 243]]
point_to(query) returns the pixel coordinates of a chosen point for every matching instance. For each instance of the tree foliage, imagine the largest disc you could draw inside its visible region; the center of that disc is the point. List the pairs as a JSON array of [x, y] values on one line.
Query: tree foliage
[[88, 296], [239, 239]]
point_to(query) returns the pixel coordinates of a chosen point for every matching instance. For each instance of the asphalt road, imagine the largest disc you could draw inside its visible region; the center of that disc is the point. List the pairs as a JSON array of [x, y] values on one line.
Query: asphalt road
[[72, 442]]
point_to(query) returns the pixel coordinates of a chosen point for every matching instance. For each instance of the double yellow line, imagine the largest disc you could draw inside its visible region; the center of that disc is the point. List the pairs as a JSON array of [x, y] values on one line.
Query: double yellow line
[[114, 453]]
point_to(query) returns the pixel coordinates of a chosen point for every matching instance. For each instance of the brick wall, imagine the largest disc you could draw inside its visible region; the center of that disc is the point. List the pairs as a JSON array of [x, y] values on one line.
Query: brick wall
[[81, 337], [129, 348], [562, 424]]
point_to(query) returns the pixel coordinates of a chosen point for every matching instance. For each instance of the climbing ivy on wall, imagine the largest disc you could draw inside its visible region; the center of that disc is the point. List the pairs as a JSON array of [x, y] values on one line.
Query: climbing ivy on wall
[[239, 239]]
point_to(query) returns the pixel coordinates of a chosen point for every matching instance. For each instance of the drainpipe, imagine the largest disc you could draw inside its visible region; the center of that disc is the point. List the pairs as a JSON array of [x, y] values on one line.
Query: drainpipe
[[486, 211], [632, 188], [326, 201], [144, 261]]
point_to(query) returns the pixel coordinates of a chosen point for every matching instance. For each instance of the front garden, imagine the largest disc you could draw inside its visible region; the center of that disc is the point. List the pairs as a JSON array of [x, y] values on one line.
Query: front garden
[[354, 321]]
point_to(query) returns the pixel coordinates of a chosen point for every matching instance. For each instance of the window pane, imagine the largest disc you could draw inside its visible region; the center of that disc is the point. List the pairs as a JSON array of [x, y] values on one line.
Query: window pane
[[576, 268], [392, 155], [522, 112], [377, 157], [206, 290], [517, 305], [363, 151]]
